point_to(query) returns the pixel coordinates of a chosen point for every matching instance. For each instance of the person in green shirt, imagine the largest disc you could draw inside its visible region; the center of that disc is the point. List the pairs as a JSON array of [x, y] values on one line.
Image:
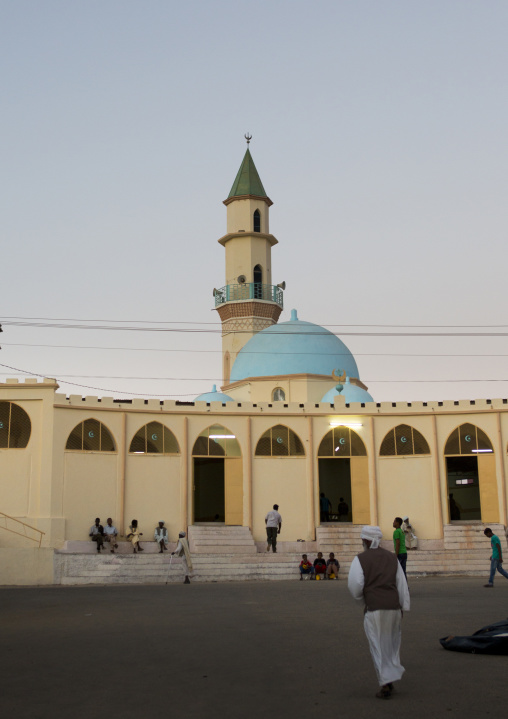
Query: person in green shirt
[[399, 543], [496, 559]]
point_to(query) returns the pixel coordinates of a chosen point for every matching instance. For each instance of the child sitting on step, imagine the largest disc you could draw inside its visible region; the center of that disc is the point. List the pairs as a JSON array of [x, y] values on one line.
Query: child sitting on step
[[306, 567], [332, 567], [320, 566]]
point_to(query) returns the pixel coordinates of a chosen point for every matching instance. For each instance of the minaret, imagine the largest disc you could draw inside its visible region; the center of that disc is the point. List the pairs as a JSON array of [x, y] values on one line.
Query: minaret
[[249, 302]]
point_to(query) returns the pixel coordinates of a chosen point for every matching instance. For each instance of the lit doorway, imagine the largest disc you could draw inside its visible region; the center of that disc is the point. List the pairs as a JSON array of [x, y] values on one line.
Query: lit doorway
[[217, 477], [471, 476], [344, 475]]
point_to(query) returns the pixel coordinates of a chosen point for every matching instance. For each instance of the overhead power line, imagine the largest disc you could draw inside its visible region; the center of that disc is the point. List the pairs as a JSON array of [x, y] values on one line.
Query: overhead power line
[[246, 351], [111, 328], [188, 322]]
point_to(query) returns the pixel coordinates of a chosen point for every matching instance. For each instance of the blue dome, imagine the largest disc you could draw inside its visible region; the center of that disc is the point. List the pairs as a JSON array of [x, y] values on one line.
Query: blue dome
[[214, 396], [351, 393], [293, 347]]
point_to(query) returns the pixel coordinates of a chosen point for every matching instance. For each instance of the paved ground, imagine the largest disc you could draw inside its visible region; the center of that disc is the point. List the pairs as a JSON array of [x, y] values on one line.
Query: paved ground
[[254, 650]]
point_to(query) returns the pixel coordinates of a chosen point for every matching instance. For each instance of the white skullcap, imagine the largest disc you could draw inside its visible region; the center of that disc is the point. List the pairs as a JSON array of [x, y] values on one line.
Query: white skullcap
[[404, 518], [374, 534], [181, 534]]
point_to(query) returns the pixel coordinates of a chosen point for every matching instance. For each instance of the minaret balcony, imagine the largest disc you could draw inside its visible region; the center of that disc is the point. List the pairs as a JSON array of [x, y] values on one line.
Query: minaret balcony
[[249, 291]]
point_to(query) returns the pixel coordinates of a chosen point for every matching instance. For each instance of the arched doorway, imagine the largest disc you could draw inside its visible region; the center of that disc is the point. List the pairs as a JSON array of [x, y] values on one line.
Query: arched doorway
[[471, 475], [258, 282], [344, 475], [217, 477]]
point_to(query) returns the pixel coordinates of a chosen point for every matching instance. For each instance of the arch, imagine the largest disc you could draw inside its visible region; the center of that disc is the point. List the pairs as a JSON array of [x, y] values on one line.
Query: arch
[[278, 395], [279, 441], [15, 426], [344, 484], [471, 475], [342, 442], [258, 282], [154, 438], [90, 435], [216, 441], [257, 221], [468, 439], [403, 441]]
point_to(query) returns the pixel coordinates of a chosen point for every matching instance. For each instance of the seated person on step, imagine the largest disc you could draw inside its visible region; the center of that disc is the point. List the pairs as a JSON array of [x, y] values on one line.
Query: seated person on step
[[97, 534], [332, 567], [161, 537], [110, 535], [306, 567], [411, 538], [320, 566]]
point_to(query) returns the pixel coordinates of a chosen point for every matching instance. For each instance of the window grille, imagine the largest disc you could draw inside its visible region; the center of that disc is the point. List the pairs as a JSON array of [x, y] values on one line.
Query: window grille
[[15, 426], [403, 440], [216, 441], [468, 439], [154, 438], [279, 441], [90, 436], [342, 442], [257, 221], [278, 395]]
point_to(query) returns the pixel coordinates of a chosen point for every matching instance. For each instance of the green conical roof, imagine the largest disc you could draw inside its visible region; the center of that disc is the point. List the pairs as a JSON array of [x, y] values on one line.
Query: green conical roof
[[247, 181]]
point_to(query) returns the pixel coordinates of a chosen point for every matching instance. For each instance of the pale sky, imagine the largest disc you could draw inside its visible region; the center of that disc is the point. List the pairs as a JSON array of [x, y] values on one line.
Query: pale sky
[[379, 132]]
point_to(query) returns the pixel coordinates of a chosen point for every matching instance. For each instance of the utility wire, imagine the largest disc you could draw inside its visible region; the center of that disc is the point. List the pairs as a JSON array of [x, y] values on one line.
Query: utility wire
[[245, 351], [181, 322]]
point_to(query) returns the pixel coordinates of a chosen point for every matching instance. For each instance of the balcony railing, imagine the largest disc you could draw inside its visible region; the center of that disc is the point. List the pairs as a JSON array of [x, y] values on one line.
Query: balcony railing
[[249, 291]]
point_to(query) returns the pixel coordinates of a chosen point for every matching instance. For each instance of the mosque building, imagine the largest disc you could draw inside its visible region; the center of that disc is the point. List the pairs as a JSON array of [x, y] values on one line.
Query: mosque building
[[292, 421]]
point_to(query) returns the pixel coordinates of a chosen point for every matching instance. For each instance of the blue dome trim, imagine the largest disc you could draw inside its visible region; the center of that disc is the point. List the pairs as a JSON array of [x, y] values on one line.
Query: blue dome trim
[[214, 396], [351, 393], [293, 347]]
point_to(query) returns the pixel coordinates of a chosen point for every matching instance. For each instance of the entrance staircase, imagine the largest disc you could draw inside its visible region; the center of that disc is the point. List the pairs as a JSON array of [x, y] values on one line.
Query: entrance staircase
[[220, 539], [227, 554]]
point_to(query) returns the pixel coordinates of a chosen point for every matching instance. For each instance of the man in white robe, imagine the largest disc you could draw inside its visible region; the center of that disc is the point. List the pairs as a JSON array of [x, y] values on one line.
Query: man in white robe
[[377, 581], [182, 550], [411, 538]]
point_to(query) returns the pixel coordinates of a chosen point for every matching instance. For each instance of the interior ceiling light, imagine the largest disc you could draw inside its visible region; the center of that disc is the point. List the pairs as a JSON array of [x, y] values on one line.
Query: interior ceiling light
[[482, 450], [222, 436]]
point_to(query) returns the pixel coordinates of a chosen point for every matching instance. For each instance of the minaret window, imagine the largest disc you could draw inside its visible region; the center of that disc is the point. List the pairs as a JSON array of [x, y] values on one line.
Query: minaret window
[[258, 282], [257, 221]]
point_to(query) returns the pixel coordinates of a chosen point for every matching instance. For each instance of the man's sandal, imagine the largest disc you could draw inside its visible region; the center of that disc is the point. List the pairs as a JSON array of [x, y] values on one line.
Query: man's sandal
[[384, 693]]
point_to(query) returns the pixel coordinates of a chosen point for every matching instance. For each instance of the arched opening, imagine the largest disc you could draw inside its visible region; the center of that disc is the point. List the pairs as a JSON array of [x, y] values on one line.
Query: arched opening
[[15, 426], [154, 438], [278, 395], [258, 282], [343, 477], [90, 436], [403, 441], [218, 477], [279, 441], [471, 475], [257, 221]]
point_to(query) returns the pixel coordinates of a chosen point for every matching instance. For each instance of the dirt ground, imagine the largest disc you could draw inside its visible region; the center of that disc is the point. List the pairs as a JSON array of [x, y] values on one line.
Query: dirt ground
[[282, 649]]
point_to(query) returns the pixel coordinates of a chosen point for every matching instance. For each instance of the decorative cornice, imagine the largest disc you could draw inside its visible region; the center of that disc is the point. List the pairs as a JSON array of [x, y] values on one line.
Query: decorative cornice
[[232, 235], [248, 197]]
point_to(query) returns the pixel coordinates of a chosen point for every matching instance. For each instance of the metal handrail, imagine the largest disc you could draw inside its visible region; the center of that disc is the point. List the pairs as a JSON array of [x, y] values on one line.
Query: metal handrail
[[5, 517], [249, 291]]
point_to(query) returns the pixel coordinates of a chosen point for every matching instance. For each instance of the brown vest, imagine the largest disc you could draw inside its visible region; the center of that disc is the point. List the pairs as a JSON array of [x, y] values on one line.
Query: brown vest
[[380, 571]]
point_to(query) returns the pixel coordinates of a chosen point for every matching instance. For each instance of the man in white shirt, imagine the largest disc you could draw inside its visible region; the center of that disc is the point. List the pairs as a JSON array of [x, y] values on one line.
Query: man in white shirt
[[273, 522], [110, 535], [376, 579]]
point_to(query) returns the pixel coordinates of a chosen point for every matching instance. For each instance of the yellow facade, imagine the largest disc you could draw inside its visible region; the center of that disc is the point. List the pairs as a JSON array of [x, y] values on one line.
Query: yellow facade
[[61, 491]]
